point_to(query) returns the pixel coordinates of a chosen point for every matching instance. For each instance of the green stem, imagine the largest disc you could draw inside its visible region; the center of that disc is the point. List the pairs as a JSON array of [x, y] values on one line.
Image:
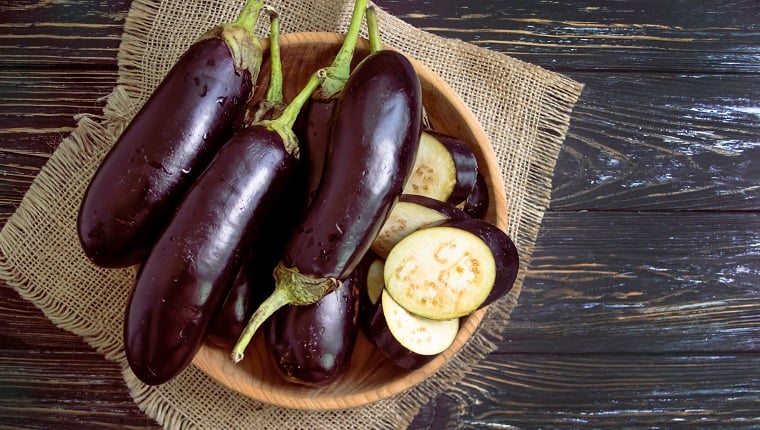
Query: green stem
[[291, 287], [249, 14], [375, 40], [274, 92], [337, 73], [289, 115], [283, 125]]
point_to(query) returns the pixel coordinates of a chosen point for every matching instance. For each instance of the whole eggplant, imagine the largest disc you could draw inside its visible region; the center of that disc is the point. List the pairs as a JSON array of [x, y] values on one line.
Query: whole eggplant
[[374, 139], [189, 270], [314, 122], [168, 143], [312, 344]]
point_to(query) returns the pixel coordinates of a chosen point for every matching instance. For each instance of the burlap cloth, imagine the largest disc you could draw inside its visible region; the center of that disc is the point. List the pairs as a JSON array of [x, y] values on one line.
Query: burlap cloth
[[524, 109]]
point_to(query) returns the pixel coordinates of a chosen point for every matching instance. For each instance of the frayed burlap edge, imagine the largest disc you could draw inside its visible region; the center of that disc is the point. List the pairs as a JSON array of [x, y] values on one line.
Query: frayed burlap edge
[[168, 404]]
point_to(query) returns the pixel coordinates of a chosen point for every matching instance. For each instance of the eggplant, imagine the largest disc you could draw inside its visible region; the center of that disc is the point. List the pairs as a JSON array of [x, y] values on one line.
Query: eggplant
[[253, 284], [312, 344], [407, 340], [446, 168], [254, 281], [371, 273], [374, 140], [189, 270], [168, 143], [314, 122], [411, 213], [476, 204], [452, 268]]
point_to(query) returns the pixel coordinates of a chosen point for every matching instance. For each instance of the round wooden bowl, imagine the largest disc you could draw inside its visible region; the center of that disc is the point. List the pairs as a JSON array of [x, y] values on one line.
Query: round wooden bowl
[[370, 376]]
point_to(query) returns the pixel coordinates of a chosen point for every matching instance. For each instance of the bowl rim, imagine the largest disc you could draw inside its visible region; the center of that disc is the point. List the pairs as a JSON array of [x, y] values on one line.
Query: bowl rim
[[233, 376]]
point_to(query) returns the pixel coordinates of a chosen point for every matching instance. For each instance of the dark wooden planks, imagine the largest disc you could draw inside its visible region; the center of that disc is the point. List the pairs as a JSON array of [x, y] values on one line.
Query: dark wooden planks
[[626, 282], [662, 141], [610, 391], [667, 122], [692, 36], [73, 32], [688, 36], [50, 378], [38, 109]]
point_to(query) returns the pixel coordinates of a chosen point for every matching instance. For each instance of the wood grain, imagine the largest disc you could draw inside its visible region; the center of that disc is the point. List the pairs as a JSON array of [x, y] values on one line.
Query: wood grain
[[639, 310], [601, 35], [662, 141], [655, 282], [608, 391]]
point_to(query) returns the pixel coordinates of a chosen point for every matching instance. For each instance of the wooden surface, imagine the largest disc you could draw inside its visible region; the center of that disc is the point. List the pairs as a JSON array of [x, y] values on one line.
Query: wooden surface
[[640, 308]]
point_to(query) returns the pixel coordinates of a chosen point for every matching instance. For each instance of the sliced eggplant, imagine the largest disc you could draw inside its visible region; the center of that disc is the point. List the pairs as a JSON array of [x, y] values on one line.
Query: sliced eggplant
[[451, 269], [476, 204], [408, 340], [371, 290], [411, 213], [445, 169]]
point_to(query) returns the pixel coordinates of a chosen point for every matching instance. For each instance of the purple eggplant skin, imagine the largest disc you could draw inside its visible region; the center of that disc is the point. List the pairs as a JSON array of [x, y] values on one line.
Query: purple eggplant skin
[[373, 144], [163, 150], [252, 284], [465, 162], [313, 130], [312, 345], [189, 270], [476, 204], [502, 248]]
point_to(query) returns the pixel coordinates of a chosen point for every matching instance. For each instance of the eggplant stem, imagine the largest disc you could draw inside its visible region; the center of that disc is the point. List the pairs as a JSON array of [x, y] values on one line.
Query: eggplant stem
[[337, 73], [274, 92], [283, 125], [373, 29], [249, 14], [291, 287], [290, 114]]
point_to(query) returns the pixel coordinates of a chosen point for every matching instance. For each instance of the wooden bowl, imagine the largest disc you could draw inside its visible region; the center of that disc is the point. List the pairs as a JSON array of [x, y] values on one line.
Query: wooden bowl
[[370, 376]]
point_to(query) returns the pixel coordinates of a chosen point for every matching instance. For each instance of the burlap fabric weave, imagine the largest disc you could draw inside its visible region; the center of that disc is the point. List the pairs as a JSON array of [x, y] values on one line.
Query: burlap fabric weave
[[524, 109]]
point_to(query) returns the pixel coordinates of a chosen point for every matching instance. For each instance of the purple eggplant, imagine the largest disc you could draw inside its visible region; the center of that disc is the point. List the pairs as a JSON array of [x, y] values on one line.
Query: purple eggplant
[[374, 140], [312, 344], [253, 284], [476, 204], [315, 120], [254, 281], [168, 143], [446, 169], [190, 269], [451, 269]]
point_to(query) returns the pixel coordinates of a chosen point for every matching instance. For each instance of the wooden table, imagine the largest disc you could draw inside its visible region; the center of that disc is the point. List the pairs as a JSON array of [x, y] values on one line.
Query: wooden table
[[640, 308]]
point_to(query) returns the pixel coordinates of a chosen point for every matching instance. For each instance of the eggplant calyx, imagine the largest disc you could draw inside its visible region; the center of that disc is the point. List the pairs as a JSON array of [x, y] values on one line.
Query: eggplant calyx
[[339, 70], [303, 289], [284, 124], [245, 48], [291, 287]]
